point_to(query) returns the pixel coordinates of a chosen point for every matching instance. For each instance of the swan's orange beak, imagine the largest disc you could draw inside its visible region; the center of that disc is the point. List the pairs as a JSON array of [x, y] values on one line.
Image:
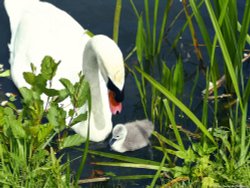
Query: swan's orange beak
[[115, 107]]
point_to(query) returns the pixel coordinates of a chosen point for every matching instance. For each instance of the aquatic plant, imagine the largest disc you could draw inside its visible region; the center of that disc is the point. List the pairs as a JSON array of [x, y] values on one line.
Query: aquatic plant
[[217, 150]]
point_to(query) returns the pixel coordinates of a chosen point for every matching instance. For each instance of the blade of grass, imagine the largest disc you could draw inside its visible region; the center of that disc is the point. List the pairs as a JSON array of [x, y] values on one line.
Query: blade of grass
[[167, 141], [133, 177], [156, 6], [132, 165], [123, 158], [134, 8], [86, 148], [118, 8], [163, 26], [158, 173], [146, 7], [172, 120]]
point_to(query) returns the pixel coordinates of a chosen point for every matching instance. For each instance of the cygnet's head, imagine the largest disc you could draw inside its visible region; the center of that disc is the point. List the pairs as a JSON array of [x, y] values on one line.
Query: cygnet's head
[[119, 134]]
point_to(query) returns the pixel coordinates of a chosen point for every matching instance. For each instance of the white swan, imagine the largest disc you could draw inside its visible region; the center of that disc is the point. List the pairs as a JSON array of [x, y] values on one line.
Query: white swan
[[39, 29], [131, 136]]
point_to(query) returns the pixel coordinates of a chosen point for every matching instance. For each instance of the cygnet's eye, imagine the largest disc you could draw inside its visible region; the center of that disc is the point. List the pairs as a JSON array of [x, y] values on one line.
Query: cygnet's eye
[[117, 136]]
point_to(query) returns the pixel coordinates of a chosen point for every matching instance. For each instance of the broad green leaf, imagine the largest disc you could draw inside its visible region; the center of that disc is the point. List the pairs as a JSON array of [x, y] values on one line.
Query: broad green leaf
[[56, 117], [80, 118], [48, 67], [44, 131], [82, 93], [8, 115], [17, 129], [51, 92], [62, 95], [40, 83], [26, 94], [179, 171], [29, 77], [72, 140], [68, 85]]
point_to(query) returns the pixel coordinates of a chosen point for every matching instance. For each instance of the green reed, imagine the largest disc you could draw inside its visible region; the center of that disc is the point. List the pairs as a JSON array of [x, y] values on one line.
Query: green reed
[[217, 153]]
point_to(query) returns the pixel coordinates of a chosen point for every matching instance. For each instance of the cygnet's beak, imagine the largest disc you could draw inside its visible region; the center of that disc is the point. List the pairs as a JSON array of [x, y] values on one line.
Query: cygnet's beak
[[112, 141], [115, 107]]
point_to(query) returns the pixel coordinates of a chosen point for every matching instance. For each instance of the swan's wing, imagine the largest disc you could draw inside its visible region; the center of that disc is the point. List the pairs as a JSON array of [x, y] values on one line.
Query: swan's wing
[[47, 30]]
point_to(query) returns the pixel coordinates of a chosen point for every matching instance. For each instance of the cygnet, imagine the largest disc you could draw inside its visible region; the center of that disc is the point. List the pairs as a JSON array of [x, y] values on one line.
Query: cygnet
[[131, 136]]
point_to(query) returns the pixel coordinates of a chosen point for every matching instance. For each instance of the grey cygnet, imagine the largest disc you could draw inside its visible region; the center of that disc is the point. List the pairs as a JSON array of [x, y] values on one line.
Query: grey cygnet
[[131, 136]]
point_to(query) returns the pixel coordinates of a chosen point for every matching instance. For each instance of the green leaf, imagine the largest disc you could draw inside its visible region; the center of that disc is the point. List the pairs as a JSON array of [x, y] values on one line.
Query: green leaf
[[17, 129], [12, 124], [26, 94], [80, 118], [29, 77], [39, 84], [44, 131], [51, 92], [5, 73], [140, 40], [82, 93], [63, 94], [56, 117], [48, 67], [178, 81], [72, 140], [68, 85]]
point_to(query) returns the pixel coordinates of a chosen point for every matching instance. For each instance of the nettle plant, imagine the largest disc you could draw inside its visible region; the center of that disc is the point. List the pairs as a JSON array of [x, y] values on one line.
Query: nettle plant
[[31, 136]]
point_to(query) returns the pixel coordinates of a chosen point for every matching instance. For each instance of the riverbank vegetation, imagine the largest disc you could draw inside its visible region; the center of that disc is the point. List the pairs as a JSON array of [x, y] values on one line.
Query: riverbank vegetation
[[199, 106], [204, 139]]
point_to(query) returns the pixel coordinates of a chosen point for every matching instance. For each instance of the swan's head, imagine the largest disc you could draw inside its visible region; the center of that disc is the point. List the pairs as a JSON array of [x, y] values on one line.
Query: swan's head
[[111, 65], [119, 134]]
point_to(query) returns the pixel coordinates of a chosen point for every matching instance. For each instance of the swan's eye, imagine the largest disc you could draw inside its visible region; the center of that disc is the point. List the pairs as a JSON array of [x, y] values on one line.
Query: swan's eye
[[119, 95]]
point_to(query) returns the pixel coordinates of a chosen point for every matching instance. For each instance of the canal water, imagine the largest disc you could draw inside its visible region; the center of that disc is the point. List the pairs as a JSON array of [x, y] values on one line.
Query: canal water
[[97, 16]]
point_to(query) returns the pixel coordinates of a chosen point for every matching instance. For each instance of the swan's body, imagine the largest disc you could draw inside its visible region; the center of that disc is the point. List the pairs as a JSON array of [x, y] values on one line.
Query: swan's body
[[131, 136], [39, 29]]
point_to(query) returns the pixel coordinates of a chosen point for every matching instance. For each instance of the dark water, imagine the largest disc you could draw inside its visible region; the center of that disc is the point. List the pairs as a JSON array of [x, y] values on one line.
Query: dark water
[[97, 16]]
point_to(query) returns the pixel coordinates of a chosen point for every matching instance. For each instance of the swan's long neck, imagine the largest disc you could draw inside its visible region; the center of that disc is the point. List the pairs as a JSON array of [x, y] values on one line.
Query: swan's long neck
[[100, 110]]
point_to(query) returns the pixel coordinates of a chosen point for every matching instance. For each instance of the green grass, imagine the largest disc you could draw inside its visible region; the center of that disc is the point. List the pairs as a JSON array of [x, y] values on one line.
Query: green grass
[[215, 154], [221, 152]]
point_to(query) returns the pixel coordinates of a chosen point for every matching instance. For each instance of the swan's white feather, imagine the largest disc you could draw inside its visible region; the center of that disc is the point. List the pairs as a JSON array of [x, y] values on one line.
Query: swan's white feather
[[39, 29]]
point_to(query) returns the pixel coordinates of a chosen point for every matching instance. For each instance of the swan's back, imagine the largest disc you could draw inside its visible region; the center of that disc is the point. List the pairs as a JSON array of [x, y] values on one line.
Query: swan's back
[[43, 30]]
